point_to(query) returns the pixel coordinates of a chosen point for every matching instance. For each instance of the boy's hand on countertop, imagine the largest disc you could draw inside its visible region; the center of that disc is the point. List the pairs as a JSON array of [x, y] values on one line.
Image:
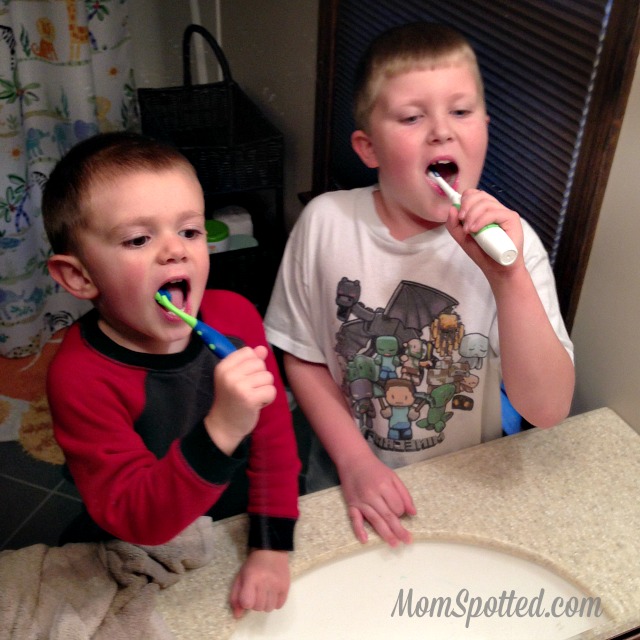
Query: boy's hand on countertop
[[374, 492], [262, 584]]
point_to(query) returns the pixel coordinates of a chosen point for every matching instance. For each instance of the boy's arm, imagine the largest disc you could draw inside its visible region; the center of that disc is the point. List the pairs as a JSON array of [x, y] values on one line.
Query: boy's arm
[[262, 583], [537, 370], [127, 489], [372, 491], [274, 465]]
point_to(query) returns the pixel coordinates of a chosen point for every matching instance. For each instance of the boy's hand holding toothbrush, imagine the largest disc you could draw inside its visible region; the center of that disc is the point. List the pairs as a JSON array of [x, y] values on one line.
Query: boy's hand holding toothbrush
[[478, 210], [243, 383], [478, 215], [244, 386]]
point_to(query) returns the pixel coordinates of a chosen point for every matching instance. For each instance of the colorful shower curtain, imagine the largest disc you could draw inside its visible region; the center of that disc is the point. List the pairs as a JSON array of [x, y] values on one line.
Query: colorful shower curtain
[[65, 74]]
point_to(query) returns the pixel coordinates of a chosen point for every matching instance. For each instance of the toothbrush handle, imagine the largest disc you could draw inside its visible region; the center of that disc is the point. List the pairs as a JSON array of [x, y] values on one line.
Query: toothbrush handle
[[496, 243], [218, 343]]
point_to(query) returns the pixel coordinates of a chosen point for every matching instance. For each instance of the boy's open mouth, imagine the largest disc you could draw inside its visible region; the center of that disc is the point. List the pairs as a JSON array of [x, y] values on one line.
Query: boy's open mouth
[[179, 291], [447, 169]]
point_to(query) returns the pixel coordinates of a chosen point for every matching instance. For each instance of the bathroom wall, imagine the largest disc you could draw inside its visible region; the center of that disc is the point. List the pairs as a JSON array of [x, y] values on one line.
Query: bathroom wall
[[271, 47], [606, 330], [156, 28], [285, 34]]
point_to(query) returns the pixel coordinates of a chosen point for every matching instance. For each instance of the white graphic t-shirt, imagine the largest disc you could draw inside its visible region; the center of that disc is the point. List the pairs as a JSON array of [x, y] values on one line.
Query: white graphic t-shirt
[[408, 329]]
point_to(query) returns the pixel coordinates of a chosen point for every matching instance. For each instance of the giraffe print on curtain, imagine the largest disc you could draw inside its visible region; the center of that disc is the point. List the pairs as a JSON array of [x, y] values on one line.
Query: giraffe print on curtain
[[78, 34]]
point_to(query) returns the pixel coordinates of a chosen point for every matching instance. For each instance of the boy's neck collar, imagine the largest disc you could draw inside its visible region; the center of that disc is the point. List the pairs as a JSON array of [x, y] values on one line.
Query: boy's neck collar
[[411, 228], [102, 343]]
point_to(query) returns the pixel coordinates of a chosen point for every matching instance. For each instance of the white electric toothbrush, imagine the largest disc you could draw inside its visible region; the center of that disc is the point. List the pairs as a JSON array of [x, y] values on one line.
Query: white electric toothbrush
[[492, 238]]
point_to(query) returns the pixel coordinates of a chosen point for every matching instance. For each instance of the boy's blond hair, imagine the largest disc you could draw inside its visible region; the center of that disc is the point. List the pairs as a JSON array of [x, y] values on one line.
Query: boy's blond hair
[[420, 45]]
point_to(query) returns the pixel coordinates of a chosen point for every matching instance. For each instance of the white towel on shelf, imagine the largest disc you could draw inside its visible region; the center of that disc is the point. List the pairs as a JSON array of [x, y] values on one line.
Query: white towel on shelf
[[238, 219]]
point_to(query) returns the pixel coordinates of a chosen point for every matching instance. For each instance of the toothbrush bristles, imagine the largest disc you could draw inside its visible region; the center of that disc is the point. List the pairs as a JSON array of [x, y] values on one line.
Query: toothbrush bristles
[[453, 195]]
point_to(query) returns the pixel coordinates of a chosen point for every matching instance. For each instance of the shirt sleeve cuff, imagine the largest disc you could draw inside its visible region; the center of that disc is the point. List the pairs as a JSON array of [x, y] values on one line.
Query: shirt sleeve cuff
[[204, 457], [267, 532]]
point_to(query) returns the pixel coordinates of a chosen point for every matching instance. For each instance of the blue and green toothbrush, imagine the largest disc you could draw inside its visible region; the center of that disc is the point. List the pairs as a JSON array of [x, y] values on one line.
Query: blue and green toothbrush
[[218, 343]]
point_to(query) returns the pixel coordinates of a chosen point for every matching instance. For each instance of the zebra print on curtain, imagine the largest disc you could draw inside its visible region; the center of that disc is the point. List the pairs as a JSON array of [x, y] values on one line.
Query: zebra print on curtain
[[65, 74]]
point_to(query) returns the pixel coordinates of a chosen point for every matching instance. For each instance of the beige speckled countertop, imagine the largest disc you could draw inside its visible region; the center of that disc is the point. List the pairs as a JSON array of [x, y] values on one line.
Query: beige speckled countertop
[[567, 498]]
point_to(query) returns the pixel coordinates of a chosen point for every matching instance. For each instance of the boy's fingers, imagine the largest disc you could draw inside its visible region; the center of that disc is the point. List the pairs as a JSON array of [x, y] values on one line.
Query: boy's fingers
[[397, 532], [236, 608], [270, 601], [385, 525], [238, 611], [407, 501], [397, 500], [357, 524], [249, 598], [386, 521], [261, 351]]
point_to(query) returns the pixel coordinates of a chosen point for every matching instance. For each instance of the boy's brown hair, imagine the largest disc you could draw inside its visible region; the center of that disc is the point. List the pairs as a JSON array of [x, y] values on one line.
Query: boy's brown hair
[[96, 160], [419, 45]]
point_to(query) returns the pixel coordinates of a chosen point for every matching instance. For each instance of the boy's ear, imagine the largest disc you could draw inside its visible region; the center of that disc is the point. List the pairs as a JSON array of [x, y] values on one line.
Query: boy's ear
[[362, 145], [70, 273]]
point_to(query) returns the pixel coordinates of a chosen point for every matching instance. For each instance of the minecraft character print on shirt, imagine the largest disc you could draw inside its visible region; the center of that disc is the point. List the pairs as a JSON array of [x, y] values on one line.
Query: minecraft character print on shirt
[[407, 368]]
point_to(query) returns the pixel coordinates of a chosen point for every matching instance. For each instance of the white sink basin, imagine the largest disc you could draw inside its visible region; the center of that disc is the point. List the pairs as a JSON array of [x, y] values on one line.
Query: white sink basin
[[403, 593]]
